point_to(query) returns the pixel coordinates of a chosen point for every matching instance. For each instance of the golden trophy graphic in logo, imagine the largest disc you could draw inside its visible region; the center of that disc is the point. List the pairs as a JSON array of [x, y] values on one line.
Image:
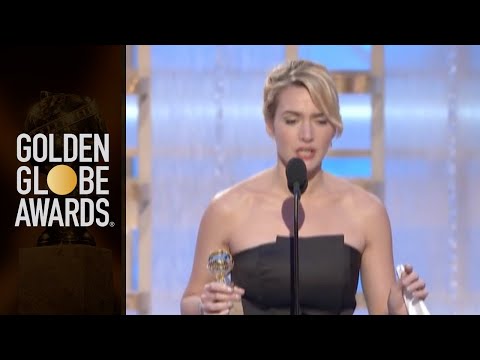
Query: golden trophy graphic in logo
[[65, 273]]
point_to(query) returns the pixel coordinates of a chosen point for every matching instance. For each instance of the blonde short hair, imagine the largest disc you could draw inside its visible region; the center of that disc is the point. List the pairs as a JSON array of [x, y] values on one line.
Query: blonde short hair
[[312, 76]]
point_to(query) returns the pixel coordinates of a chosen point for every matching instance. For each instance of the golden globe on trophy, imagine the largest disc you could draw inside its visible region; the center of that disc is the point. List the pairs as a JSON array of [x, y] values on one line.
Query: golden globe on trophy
[[220, 264]]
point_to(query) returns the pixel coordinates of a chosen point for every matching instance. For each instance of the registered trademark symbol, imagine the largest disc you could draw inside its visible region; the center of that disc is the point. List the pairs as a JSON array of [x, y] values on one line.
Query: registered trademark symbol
[[112, 224]]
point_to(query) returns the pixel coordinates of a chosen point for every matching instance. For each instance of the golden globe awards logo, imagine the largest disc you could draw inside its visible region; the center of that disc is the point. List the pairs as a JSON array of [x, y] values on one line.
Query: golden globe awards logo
[[84, 152]]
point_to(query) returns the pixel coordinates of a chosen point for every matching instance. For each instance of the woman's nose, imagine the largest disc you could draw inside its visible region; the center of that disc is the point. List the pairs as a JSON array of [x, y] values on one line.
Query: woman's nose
[[306, 133]]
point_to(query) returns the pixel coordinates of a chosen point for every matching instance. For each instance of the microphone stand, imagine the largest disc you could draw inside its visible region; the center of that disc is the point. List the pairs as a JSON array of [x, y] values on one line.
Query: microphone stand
[[294, 278]]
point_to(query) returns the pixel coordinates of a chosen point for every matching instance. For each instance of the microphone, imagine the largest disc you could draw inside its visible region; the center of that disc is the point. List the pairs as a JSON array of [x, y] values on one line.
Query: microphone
[[296, 172], [297, 183]]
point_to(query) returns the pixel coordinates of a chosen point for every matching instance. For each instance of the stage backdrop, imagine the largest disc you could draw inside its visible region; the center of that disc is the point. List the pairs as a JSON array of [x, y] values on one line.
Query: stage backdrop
[[208, 133]]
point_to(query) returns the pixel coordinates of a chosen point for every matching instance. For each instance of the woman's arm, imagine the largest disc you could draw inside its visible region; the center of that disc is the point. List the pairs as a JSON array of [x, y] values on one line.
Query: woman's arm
[[383, 292], [378, 276], [213, 234]]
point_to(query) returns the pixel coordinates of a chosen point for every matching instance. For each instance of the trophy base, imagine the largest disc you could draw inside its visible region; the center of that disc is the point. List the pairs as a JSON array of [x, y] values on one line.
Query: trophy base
[[237, 308], [74, 236], [65, 279]]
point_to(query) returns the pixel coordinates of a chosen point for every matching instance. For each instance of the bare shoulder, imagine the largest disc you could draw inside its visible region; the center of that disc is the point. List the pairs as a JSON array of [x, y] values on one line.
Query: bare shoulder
[[235, 200], [365, 204], [367, 212]]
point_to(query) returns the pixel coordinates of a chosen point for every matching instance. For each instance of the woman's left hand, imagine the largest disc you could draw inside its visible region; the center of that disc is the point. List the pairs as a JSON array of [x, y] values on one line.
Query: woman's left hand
[[409, 283]]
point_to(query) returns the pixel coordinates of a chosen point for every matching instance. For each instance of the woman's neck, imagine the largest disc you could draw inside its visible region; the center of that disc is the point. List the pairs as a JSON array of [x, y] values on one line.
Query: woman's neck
[[316, 180]]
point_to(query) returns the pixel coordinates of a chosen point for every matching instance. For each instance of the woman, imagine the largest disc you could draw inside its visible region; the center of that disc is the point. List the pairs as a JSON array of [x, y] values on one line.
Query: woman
[[343, 229]]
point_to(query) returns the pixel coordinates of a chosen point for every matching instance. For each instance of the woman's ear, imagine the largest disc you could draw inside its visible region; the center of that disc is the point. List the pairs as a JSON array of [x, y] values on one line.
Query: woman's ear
[[269, 128]]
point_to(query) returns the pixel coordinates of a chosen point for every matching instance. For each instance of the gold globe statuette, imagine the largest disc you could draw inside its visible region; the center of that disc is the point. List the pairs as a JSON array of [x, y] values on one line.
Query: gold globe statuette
[[220, 264]]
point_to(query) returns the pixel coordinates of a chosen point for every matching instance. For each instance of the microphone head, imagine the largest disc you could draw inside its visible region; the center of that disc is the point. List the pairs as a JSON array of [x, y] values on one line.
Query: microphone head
[[296, 172]]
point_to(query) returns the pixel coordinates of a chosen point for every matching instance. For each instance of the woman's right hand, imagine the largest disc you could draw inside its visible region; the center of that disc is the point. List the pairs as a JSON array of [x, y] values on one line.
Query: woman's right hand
[[218, 298]]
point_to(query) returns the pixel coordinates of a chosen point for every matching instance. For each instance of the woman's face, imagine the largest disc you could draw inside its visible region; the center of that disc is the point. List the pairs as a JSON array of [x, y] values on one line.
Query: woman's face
[[300, 129]]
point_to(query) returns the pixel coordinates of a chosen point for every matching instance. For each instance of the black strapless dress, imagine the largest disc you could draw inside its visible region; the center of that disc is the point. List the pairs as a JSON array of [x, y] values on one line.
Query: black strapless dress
[[328, 272]]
